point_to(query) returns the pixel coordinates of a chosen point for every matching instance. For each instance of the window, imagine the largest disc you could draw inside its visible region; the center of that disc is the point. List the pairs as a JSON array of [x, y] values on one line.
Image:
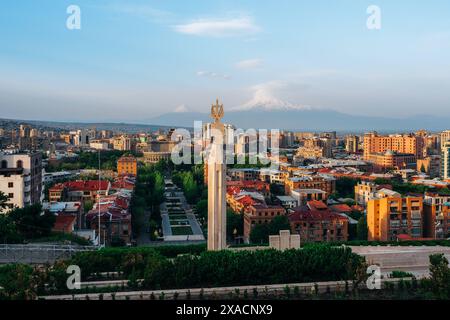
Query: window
[[19, 164], [10, 184], [4, 164], [10, 195]]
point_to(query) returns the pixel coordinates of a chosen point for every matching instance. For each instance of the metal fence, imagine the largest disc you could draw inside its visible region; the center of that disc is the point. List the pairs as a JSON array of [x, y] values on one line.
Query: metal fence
[[38, 253]]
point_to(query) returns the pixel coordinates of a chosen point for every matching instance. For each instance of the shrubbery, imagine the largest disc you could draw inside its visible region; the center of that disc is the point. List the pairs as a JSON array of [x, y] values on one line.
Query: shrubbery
[[203, 269]]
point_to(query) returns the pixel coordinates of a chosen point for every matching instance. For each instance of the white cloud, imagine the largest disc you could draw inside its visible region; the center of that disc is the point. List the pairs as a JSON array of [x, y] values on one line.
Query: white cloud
[[219, 27], [265, 97], [181, 108], [141, 10], [210, 74], [249, 64]]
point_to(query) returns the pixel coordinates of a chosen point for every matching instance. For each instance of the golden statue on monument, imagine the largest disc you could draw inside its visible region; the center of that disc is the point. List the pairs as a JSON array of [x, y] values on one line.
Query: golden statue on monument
[[217, 111]]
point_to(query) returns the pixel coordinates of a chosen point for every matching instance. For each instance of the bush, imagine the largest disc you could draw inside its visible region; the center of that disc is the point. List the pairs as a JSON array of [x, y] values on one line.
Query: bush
[[229, 268], [401, 274]]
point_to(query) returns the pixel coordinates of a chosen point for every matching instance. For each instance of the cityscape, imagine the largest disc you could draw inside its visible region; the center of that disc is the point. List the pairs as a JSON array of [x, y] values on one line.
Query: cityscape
[[287, 196]]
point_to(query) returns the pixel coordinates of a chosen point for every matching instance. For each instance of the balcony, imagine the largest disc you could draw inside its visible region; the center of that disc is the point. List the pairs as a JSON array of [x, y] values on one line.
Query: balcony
[[416, 223], [416, 215], [394, 223], [11, 171]]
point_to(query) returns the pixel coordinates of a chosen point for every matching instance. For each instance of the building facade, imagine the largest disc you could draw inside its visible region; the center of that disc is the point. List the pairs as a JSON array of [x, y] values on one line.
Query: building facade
[[445, 161], [21, 178], [127, 165], [390, 217], [402, 144]]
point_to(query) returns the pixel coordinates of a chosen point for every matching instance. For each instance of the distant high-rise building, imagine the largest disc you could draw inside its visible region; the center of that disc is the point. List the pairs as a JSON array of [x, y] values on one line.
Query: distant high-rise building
[[24, 137], [352, 144], [401, 144], [445, 136], [316, 148], [430, 165], [122, 143], [81, 138], [445, 161]]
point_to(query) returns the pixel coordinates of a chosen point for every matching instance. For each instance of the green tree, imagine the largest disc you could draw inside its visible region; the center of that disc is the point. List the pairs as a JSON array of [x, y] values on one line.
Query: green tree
[[235, 221], [361, 228], [259, 234], [17, 282], [8, 231], [202, 209], [278, 223], [440, 276], [31, 223], [345, 187], [88, 205], [277, 189], [158, 189], [3, 200]]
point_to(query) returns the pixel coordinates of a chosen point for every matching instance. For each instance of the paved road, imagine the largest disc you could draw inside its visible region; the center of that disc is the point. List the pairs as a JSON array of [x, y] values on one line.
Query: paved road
[[144, 237], [413, 259]]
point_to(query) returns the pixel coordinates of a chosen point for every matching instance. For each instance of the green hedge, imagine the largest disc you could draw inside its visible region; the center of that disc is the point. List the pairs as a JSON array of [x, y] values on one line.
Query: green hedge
[[229, 268], [113, 259], [162, 268]]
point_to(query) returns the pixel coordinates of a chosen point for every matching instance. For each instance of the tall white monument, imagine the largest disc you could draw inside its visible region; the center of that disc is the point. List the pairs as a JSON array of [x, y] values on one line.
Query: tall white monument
[[217, 237]]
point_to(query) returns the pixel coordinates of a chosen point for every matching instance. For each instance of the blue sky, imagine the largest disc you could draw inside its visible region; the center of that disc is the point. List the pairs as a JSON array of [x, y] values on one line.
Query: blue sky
[[133, 60]]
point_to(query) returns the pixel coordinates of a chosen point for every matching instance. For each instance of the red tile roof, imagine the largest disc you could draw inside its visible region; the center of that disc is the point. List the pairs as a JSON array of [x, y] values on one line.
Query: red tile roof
[[57, 187], [316, 204], [88, 185], [342, 208], [304, 214], [64, 223]]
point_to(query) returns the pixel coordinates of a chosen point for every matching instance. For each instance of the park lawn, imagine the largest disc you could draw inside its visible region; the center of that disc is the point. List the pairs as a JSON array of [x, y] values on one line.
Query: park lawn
[[183, 222], [177, 216], [182, 231]]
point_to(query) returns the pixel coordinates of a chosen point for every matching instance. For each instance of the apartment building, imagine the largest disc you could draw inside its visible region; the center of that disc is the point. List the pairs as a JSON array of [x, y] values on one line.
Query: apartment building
[[21, 178], [318, 224], [244, 174], [436, 209], [392, 160], [352, 144], [122, 143], [401, 144], [79, 190], [430, 165], [445, 137], [366, 190], [316, 148], [389, 217], [363, 191], [315, 181], [445, 161], [127, 165], [260, 214]]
